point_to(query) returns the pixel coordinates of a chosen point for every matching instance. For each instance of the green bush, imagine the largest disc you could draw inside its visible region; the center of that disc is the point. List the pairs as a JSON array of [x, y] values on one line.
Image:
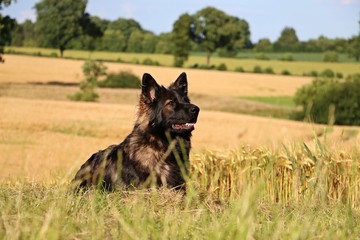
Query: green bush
[[339, 75], [195, 65], [330, 100], [286, 72], [120, 80], [239, 69], [327, 73], [269, 70], [203, 66], [257, 69], [92, 71], [222, 67], [313, 73], [209, 67], [330, 56], [149, 61]]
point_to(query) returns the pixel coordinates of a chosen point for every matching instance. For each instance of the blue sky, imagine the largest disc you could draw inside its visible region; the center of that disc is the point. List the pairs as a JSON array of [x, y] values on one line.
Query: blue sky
[[310, 18]]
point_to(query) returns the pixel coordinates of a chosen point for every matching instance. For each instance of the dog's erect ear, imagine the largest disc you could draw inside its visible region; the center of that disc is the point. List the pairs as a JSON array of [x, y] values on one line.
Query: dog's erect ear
[[180, 84], [150, 88]]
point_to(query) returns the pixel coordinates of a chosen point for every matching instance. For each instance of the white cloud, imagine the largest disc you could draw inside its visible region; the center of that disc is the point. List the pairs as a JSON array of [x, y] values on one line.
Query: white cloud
[[348, 2], [342, 2]]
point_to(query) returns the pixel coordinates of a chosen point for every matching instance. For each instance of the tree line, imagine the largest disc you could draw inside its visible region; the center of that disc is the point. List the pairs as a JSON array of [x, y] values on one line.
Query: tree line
[[64, 24]]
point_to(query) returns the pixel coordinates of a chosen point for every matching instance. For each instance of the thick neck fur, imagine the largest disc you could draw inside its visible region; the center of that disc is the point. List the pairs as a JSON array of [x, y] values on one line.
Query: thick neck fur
[[151, 146]]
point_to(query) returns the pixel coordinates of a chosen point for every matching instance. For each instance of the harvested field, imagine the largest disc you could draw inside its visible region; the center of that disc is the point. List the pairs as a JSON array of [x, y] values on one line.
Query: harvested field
[[24, 69], [40, 137]]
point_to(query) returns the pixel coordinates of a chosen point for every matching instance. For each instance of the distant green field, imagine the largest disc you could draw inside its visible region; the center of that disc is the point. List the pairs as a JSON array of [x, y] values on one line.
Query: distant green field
[[285, 101], [294, 67], [307, 57]]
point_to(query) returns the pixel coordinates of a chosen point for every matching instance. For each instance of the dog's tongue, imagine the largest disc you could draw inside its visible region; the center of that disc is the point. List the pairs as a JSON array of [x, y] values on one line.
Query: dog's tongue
[[183, 126]]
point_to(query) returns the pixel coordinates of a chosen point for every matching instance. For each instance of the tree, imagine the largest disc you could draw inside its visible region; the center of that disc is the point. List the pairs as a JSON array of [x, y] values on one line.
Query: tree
[[126, 27], [60, 21], [91, 32], [213, 29], [333, 101], [235, 35], [288, 41], [323, 43], [113, 40], [149, 43], [135, 42], [310, 46], [6, 26], [181, 39], [263, 45], [164, 44], [354, 47], [24, 34]]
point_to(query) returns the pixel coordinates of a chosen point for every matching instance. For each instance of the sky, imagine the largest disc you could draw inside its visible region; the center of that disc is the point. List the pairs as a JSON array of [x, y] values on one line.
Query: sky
[[267, 18]]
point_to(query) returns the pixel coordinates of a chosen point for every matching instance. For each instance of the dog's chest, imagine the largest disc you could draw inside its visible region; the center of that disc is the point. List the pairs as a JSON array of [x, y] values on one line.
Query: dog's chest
[[148, 158], [159, 161]]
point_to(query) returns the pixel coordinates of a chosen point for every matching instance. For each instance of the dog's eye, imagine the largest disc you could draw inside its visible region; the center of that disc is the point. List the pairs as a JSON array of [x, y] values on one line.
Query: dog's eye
[[171, 103]]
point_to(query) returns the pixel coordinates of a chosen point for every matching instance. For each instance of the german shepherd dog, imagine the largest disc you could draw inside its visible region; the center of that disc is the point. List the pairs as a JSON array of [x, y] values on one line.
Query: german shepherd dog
[[156, 152]]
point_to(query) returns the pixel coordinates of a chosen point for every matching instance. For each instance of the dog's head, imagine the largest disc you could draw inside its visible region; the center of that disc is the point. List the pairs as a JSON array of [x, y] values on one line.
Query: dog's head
[[167, 109]]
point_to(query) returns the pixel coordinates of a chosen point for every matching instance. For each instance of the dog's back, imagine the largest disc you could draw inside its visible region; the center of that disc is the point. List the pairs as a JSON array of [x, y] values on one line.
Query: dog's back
[[156, 151]]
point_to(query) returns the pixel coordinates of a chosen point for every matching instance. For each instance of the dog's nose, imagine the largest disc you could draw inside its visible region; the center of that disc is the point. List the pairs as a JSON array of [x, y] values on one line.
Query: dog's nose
[[194, 109]]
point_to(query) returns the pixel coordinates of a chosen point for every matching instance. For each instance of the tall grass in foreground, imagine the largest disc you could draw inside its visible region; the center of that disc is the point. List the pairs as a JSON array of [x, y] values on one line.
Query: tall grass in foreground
[[246, 193], [288, 176]]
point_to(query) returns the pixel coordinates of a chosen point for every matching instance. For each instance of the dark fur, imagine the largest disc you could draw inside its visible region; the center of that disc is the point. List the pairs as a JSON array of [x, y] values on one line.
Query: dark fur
[[156, 151]]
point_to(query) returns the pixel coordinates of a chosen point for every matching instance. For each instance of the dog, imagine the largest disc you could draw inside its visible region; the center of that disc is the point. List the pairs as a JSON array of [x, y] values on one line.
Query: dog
[[156, 152]]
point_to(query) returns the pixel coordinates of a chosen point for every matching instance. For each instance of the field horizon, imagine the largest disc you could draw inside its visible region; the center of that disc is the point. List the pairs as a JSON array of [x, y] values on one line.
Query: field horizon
[[298, 67]]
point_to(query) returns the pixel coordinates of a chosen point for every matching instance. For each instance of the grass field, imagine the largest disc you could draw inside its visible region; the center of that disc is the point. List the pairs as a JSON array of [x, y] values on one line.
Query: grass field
[[251, 177], [278, 100], [295, 68], [242, 194], [304, 57]]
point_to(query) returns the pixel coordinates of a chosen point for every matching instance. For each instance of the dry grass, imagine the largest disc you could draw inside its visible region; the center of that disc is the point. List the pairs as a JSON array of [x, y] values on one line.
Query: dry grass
[[130, 97], [40, 137], [294, 174]]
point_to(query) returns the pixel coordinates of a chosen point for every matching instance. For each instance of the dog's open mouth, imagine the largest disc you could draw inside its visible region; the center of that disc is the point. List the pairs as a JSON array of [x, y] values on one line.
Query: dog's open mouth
[[185, 126]]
